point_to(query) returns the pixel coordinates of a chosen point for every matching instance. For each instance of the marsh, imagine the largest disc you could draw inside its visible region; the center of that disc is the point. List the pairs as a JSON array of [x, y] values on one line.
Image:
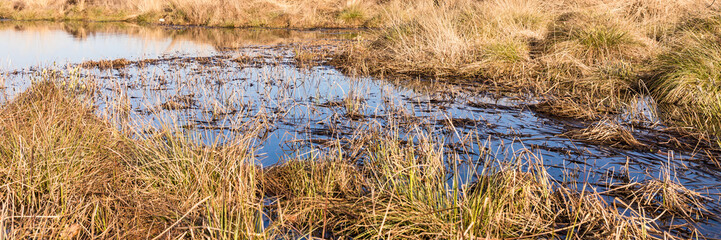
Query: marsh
[[546, 125]]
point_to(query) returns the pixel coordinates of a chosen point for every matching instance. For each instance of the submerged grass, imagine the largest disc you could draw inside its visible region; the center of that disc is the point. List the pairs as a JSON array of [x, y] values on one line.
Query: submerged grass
[[585, 59], [608, 132], [411, 192], [66, 173], [559, 49]]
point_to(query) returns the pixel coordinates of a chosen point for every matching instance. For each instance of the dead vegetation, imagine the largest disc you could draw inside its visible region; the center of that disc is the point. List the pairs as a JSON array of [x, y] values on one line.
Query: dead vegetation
[[663, 197], [607, 132], [586, 59], [70, 174], [107, 64], [256, 13]]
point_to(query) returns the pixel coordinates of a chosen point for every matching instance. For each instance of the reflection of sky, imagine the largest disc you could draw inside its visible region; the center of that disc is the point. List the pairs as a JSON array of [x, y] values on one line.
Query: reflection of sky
[[23, 49]]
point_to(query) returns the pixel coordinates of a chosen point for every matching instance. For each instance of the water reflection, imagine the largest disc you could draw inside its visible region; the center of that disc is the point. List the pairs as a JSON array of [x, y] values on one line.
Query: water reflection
[[28, 44]]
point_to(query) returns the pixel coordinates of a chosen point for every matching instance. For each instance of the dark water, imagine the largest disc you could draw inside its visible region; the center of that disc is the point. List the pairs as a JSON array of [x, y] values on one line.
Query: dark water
[[196, 82]]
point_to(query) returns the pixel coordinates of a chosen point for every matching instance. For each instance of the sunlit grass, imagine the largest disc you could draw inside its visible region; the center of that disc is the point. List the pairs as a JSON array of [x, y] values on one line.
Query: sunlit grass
[[69, 173]]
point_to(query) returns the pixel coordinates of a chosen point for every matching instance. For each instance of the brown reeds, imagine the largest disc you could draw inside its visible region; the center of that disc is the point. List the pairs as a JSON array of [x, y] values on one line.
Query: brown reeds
[[609, 132], [67, 173], [259, 13]]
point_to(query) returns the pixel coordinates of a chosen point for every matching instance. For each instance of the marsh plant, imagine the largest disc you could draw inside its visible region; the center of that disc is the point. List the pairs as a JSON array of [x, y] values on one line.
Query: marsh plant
[[558, 50], [175, 155], [71, 174], [587, 59]]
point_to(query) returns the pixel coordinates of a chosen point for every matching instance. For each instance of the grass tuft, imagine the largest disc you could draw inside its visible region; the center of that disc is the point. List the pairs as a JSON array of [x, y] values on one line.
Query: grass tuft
[[608, 132], [353, 14], [68, 173], [690, 75]]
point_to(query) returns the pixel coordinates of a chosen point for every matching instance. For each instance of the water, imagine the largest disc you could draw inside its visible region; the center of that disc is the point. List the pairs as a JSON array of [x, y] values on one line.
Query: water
[[201, 80]]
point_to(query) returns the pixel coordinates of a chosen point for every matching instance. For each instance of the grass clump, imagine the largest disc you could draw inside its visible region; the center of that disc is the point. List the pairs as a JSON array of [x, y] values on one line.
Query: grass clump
[[592, 38], [608, 132], [687, 76], [664, 198], [690, 76], [311, 194], [352, 14], [450, 38], [207, 191], [410, 191], [68, 174], [62, 170]]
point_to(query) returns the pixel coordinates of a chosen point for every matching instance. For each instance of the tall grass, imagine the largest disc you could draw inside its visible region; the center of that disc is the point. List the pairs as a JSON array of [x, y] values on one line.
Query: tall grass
[[690, 75], [69, 174], [454, 37], [59, 164], [686, 75], [420, 191], [586, 59]]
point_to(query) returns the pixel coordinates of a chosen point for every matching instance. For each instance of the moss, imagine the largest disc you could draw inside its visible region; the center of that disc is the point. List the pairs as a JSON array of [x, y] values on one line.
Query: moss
[[512, 51], [353, 15], [147, 18]]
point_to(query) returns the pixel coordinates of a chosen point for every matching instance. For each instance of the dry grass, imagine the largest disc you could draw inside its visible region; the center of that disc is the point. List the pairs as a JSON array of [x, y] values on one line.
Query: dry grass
[[66, 173], [609, 132], [581, 53], [688, 74], [409, 192], [226, 13], [107, 64], [312, 194], [589, 58], [454, 38], [664, 198], [62, 172]]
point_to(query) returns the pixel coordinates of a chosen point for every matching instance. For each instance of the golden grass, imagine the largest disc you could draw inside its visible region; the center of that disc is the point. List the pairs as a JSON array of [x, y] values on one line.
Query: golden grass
[[587, 58], [688, 74], [62, 170], [607, 132], [69, 174], [225, 13], [580, 52], [408, 192]]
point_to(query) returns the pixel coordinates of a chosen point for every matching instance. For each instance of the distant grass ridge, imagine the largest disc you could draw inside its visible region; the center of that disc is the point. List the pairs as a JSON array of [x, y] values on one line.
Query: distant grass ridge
[[224, 13]]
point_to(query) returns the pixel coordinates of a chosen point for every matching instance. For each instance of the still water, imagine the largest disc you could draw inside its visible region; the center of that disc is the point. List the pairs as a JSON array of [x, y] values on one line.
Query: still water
[[211, 82]]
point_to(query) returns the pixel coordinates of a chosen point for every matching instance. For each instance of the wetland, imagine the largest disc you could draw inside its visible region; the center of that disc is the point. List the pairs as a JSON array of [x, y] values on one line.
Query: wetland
[[119, 130]]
